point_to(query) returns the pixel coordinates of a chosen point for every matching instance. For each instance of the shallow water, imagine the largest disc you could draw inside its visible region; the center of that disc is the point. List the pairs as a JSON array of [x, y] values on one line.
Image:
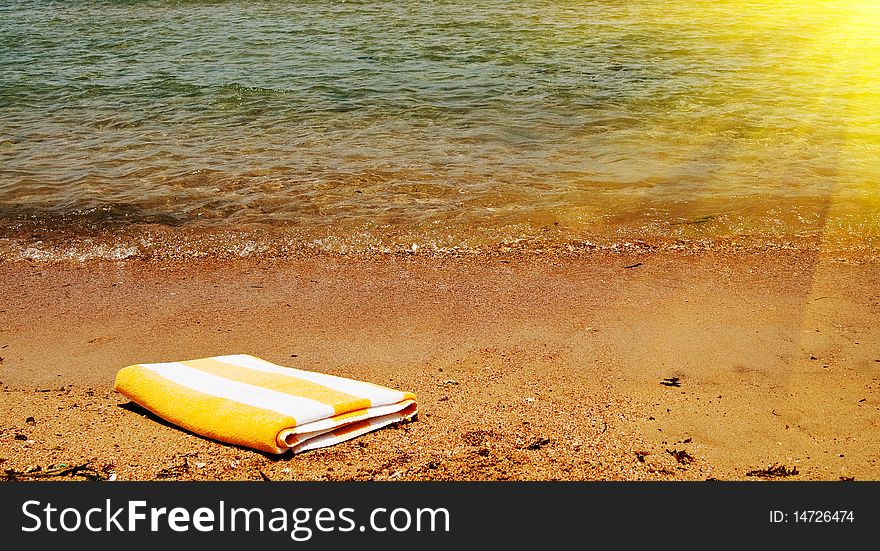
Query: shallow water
[[357, 125]]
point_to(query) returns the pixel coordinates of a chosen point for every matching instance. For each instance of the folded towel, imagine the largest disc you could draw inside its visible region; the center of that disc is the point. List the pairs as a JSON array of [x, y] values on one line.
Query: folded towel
[[250, 402]]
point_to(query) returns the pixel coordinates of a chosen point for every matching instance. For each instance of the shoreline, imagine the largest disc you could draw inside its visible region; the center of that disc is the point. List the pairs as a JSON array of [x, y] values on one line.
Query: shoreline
[[31, 240], [525, 366]]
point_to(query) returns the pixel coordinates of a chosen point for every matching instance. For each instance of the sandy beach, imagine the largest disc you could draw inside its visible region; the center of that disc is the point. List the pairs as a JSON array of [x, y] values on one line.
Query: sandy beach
[[591, 366]]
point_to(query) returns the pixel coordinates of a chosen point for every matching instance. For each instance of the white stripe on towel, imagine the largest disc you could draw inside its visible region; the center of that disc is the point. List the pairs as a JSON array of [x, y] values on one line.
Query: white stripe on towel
[[304, 410], [378, 396], [331, 438]]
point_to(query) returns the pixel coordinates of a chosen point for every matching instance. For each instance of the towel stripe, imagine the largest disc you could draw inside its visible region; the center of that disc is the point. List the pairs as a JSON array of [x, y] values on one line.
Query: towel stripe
[[347, 432], [378, 395], [331, 423], [304, 410], [341, 402], [204, 414]]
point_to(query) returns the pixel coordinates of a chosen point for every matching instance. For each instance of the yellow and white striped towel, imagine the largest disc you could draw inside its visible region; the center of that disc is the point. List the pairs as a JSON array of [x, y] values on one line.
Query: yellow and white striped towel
[[250, 402]]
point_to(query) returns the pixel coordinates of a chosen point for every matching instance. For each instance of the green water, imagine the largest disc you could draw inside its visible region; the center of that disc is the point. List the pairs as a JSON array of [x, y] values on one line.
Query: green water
[[377, 125]]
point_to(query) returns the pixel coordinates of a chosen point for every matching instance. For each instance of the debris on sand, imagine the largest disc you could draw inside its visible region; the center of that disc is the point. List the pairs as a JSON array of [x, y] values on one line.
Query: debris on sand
[[682, 456], [52, 471], [641, 455], [774, 471], [636, 265], [537, 444], [174, 470], [671, 381]]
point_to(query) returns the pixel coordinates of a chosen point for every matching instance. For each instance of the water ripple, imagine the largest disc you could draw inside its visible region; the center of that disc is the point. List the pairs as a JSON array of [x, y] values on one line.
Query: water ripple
[[481, 120]]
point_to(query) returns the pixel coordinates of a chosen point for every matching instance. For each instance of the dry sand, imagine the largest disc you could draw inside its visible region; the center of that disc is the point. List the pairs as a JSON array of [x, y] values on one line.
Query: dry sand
[[525, 368]]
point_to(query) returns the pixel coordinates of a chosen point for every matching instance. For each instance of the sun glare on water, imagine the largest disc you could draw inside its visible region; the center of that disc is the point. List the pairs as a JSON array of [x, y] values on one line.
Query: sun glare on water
[[852, 45], [815, 70]]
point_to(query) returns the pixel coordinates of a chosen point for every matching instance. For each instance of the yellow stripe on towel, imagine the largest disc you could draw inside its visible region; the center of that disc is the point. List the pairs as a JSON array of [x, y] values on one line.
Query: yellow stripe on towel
[[250, 402]]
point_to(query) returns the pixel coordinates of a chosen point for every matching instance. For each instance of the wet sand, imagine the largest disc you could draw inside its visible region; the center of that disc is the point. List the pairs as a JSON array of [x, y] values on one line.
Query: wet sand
[[543, 367]]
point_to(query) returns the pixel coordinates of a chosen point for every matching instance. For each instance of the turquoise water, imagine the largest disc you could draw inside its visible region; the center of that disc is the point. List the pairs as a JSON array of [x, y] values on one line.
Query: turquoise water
[[439, 124]]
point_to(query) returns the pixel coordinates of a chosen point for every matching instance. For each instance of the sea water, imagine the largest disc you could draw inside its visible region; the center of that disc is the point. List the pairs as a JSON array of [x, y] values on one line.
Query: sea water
[[256, 127]]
